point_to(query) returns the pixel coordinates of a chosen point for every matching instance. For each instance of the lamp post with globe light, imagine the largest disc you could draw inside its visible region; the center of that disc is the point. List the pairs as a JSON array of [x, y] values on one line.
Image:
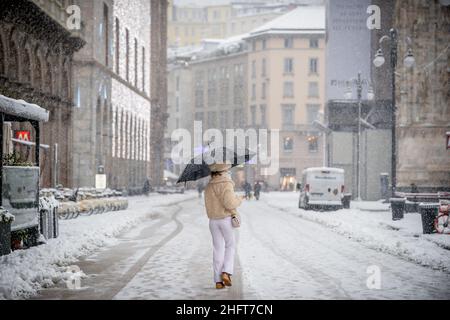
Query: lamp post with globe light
[[359, 83], [409, 62]]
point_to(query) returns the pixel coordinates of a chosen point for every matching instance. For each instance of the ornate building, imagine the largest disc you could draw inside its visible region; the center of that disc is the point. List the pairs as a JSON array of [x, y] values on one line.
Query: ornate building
[[111, 123], [423, 95], [36, 55], [286, 89]]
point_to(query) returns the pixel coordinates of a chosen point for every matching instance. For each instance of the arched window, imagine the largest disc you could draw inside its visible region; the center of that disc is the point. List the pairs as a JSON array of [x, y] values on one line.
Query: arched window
[[132, 136], [13, 61], [126, 138], [26, 66], [122, 134], [116, 149], [98, 132], [105, 128]]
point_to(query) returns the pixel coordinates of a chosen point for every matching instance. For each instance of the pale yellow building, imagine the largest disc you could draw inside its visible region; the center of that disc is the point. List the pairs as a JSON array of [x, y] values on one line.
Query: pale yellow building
[[192, 22], [286, 89]]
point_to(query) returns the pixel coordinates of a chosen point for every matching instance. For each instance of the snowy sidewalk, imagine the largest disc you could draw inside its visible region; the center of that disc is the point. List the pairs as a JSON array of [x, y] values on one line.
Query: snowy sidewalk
[[24, 272], [371, 224]]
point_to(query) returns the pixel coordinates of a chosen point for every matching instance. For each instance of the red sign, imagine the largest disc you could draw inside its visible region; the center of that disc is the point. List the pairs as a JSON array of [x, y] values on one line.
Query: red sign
[[22, 135]]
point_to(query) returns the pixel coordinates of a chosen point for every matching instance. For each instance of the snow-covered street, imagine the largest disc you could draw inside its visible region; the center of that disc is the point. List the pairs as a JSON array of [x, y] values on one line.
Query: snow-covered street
[[283, 253]]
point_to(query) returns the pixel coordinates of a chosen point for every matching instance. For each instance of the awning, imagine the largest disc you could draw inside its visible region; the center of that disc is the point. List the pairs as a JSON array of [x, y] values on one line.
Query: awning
[[22, 110]]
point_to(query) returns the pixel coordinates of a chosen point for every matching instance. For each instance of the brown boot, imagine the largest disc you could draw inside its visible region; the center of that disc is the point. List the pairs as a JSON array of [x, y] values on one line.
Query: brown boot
[[220, 285], [226, 278]]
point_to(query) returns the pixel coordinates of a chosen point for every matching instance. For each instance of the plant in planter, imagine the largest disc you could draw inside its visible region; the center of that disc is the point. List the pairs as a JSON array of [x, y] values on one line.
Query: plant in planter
[[5, 216], [15, 160]]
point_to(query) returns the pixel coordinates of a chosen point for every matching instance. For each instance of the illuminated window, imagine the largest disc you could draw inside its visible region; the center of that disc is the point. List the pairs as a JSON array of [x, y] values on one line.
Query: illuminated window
[[288, 144], [313, 143]]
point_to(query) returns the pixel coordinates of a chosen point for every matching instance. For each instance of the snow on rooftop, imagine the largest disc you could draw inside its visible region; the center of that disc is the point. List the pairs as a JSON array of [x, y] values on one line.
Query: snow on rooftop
[[301, 19], [22, 109]]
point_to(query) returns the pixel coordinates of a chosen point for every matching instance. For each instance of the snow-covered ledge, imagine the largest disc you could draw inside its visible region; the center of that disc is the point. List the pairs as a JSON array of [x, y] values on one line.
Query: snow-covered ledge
[[22, 109]]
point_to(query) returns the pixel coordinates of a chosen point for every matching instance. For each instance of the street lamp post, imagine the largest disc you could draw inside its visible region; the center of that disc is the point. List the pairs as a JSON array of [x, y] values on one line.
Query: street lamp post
[[409, 62], [359, 83]]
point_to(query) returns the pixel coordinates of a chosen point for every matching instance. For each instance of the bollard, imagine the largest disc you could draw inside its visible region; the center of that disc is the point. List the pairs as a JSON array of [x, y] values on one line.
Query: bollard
[[429, 212], [346, 200], [398, 208]]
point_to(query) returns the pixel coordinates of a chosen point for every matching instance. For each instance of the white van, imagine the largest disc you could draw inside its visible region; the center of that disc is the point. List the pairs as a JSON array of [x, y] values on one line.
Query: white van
[[322, 188]]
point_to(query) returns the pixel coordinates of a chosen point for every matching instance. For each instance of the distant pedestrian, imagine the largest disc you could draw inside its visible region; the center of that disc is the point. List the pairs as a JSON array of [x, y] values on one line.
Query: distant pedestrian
[[257, 190], [147, 187], [221, 203], [200, 188], [248, 190]]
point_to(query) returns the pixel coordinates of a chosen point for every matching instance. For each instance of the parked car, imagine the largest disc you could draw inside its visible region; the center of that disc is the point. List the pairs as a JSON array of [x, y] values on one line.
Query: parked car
[[170, 190], [322, 188]]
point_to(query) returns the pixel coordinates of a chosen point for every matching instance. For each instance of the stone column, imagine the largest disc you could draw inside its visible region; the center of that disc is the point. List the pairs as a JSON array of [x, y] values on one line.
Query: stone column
[[158, 89]]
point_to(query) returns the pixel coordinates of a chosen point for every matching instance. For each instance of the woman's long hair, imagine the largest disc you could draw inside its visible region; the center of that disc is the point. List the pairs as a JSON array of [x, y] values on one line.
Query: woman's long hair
[[216, 173]]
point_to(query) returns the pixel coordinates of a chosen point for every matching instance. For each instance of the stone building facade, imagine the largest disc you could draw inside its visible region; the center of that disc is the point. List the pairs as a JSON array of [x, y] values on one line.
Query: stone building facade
[[36, 57], [179, 100], [286, 89], [209, 86], [423, 95], [111, 122], [272, 79], [192, 22]]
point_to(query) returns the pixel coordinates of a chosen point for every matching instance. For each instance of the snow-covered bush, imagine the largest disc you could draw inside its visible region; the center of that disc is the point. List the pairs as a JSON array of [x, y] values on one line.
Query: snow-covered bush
[[5, 216]]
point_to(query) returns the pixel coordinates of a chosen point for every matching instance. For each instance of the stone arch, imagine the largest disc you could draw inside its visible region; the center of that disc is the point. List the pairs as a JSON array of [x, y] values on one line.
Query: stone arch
[[25, 74], [2, 54], [37, 69], [13, 59], [48, 75]]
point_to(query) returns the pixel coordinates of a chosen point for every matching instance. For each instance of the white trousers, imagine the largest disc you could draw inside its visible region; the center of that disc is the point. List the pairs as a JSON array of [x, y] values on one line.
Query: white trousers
[[224, 247]]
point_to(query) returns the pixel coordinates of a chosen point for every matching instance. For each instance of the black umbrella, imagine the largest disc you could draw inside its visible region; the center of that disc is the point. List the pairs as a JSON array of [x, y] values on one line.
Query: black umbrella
[[199, 168]]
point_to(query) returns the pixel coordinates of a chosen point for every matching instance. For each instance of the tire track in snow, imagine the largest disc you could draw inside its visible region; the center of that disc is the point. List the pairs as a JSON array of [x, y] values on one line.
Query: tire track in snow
[[356, 240], [312, 273], [134, 270], [388, 266]]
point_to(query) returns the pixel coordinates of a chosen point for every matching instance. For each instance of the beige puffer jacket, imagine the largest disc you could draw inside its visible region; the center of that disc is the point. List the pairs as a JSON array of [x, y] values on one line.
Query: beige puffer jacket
[[220, 199]]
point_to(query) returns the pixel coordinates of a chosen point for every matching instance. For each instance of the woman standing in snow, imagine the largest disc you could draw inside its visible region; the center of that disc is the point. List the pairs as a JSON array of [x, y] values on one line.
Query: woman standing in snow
[[221, 203]]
